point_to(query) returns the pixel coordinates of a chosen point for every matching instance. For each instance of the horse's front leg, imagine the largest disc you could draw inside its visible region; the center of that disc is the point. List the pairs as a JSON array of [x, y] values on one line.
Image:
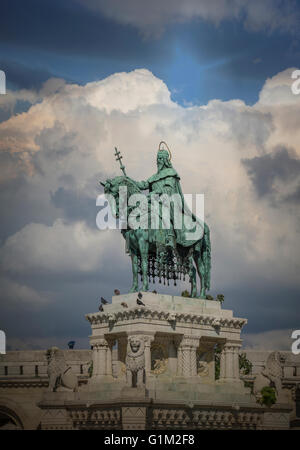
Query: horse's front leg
[[135, 281], [144, 251], [201, 272]]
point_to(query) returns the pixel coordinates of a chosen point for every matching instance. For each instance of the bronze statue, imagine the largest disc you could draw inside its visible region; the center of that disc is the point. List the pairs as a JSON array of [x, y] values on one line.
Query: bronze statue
[[164, 251]]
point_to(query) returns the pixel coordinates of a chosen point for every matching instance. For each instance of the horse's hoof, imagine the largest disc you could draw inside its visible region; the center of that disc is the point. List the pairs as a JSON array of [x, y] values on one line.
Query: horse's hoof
[[132, 290]]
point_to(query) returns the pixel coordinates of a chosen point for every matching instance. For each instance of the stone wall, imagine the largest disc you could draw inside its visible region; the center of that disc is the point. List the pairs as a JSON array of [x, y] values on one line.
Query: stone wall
[[24, 382], [24, 379]]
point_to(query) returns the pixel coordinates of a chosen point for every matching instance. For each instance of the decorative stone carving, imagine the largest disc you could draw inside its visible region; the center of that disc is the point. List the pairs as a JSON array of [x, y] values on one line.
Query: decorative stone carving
[[135, 361], [159, 358], [180, 317], [216, 323], [172, 318], [203, 360], [111, 319], [61, 376], [271, 373]]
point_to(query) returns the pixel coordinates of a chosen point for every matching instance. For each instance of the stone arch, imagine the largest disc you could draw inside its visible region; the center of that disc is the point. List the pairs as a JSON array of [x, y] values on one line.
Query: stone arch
[[12, 415]]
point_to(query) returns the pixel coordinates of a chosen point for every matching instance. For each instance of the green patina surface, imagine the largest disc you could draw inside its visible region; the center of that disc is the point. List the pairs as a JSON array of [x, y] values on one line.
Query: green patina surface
[[164, 253]]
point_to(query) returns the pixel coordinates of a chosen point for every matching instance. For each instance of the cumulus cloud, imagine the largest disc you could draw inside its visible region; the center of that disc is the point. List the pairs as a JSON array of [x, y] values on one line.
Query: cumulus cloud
[[154, 16], [237, 155], [61, 248]]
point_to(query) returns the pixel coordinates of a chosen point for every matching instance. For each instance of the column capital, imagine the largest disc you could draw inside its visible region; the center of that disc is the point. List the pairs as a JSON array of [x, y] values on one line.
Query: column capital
[[232, 344], [148, 338], [98, 342], [189, 341]]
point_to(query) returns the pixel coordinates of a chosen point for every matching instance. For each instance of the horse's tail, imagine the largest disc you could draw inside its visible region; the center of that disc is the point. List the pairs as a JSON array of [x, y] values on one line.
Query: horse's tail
[[206, 256]]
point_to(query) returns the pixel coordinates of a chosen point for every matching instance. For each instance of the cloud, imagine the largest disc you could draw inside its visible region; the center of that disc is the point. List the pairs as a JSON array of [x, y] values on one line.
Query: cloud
[[62, 248], [16, 294], [277, 90], [275, 174], [155, 16], [21, 76], [238, 155], [269, 340], [43, 343]]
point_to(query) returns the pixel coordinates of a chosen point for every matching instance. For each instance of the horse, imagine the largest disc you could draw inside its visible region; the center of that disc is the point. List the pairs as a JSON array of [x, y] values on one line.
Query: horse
[[142, 248]]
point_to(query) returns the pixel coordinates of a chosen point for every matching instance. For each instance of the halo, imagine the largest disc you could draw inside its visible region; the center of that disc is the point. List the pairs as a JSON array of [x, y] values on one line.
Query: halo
[[163, 142]]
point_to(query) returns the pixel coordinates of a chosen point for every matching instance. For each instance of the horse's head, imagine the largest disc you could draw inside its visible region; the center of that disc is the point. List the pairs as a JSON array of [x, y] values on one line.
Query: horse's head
[[113, 191]]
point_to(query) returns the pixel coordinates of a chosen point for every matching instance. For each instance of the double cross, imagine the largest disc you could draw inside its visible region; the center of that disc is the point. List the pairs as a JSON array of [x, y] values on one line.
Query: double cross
[[118, 158]]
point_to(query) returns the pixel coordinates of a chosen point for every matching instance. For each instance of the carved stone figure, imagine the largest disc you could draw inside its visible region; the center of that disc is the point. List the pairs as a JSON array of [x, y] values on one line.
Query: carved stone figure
[[202, 363], [272, 373], [158, 358], [61, 376], [135, 361]]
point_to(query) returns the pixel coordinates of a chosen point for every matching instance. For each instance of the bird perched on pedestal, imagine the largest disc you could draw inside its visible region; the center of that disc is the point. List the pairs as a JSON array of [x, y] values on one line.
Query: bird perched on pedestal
[[101, 308], [117, 292], [139, 302], [124, 305], [103, 301]]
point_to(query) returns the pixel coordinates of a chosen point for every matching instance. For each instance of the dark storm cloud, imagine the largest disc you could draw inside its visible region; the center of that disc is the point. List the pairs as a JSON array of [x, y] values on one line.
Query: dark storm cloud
[[20, 76], [66, 27], [75, 205], [294, 197], [264, 170]]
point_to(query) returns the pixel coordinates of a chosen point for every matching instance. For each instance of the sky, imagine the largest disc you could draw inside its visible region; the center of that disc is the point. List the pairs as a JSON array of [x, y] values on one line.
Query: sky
[[211, 78]]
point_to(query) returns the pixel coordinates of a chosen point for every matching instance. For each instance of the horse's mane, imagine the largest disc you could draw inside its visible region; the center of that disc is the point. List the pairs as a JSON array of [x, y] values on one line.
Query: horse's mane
[[129, 183]]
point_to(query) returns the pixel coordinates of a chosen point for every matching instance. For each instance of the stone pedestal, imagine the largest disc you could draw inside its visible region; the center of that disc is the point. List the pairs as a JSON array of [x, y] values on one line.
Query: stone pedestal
[[169, 346], [179, 336]]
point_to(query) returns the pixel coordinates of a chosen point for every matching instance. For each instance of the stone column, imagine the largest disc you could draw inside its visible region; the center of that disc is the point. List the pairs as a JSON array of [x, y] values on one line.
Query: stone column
[[122, 349], [229, 361], [101, 358], [101, 363], [148, 341], [236, 365], [108, 364], [95, 360], [188, 347], [193, 357], [222, 364], [179, 359]]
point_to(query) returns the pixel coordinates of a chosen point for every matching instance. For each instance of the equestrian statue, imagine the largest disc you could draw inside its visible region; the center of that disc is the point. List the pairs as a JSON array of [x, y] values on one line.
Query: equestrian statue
[[161, 246]]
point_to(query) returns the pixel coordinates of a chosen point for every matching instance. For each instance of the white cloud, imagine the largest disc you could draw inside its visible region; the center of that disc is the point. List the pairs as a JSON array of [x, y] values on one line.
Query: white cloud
[[152, 17], [60, 248], [67, 139]]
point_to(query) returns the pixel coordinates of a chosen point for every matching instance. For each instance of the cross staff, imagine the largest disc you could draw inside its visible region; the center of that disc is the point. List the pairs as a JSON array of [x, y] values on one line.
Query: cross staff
[[118, 158]]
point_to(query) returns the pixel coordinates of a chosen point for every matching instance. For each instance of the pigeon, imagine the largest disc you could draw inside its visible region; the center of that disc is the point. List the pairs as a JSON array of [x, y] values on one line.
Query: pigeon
[[117, 292], [139, 302], [154, 292], [101, 308], [103, 301], [124, 305], [140, 295]]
